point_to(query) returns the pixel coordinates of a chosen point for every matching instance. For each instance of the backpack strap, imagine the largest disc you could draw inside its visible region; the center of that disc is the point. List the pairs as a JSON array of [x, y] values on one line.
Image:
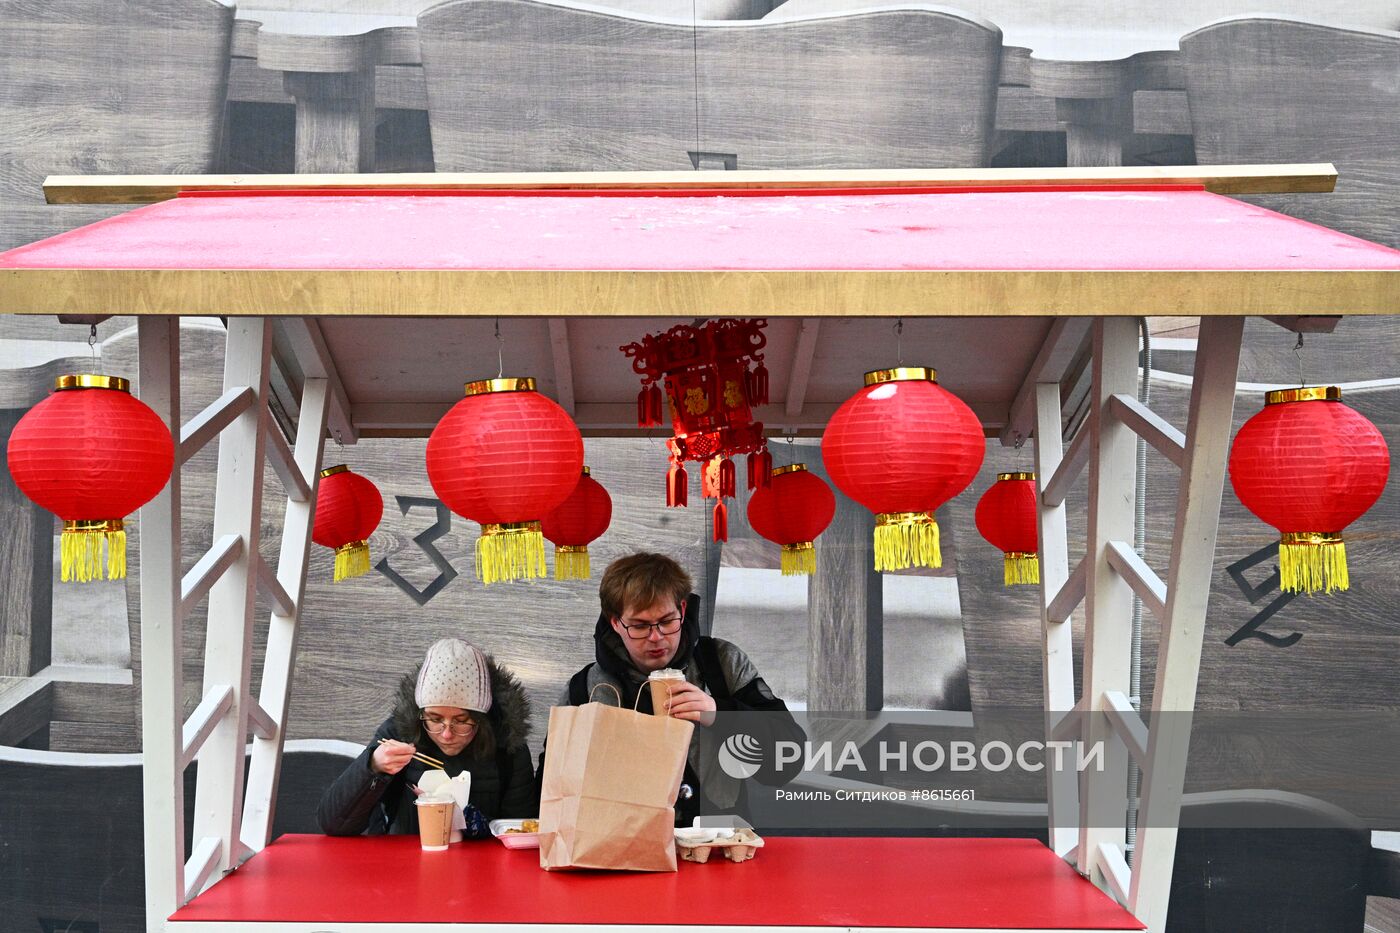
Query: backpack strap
[[711, 671], [578, 686]]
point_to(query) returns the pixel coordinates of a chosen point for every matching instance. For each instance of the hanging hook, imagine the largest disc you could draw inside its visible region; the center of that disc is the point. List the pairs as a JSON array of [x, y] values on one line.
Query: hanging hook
[[1298, 352], [1018, 441], [500, 351], [899, 341], [92, 343]]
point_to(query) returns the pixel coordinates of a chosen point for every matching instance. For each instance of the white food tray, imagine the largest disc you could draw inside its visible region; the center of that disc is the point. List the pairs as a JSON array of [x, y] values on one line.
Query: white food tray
[[514, 840]]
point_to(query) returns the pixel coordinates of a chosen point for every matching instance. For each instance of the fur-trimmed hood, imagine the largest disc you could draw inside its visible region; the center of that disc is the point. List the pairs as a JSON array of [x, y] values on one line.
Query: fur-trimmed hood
[[509, 713]]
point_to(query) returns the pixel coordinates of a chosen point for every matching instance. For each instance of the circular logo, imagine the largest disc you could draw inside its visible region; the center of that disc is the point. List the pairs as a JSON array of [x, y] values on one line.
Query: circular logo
[[740, 756]]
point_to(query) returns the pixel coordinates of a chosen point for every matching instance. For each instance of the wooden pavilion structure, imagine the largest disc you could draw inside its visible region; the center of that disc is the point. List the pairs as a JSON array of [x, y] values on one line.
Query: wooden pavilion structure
[[365, 302]]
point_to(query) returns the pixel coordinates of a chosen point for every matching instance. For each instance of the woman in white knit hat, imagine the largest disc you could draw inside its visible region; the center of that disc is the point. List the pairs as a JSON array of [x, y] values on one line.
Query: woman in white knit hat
[[460, 707]]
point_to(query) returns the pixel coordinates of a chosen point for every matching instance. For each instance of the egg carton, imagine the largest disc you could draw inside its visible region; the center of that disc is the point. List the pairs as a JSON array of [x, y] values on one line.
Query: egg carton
[[697, 845]]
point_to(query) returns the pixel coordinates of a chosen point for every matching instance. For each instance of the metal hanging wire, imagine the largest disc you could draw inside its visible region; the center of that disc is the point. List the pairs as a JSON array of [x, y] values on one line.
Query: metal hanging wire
[[92, 344], [1298, 352], [899, 341], [500, 352]]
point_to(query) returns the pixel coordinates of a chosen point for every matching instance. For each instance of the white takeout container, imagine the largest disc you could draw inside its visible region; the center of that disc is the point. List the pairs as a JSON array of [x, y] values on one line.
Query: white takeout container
[[514, 840]]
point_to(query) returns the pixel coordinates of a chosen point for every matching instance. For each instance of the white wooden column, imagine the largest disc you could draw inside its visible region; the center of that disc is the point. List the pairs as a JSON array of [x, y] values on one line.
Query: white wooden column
[[1183, 627], [1108, 597], [1057, 640], [265, 770], [162, 684], [232, 599]]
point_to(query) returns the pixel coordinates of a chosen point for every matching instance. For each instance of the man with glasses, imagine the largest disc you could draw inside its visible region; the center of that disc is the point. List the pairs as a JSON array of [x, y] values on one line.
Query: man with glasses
[[460, 708], [650, 621]]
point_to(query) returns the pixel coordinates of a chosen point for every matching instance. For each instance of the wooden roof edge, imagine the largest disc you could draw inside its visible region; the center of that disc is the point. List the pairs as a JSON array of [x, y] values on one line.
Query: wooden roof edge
[[1221, 179]]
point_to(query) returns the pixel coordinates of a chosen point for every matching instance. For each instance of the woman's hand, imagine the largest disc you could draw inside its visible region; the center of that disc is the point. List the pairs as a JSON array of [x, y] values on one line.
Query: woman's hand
[[688, 701], [390, 757]]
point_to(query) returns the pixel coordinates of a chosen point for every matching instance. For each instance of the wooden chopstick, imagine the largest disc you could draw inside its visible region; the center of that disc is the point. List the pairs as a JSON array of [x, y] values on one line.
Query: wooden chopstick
[[425, 759]]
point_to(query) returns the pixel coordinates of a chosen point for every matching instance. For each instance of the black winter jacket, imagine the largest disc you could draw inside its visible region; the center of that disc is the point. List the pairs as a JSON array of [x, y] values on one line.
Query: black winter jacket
[[362, 801]]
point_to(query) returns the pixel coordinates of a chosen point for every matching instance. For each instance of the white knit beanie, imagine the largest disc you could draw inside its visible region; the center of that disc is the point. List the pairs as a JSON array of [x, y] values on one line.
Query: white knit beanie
[[454, 674]]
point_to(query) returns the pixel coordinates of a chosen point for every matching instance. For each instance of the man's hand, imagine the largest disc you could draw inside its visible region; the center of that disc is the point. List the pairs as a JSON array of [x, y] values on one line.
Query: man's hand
[[690, 702], [390, 757]]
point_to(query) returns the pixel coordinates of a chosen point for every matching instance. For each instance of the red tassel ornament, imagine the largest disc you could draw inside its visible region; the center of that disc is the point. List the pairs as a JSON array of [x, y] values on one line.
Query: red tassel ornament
[[677, 486], [721, 521]]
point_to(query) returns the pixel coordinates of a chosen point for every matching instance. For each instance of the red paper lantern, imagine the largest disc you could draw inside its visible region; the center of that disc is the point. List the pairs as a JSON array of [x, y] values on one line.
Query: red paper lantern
[[579, 520], [1006, 517], [902, 446], [91, 454], [792, 510], [712, 392], [505, 456], [1309, 466], [348, 509]]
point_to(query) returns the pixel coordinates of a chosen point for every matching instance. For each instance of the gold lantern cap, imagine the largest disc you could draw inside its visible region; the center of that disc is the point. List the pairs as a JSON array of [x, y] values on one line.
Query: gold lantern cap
[[1304, 394], [902, 374], [790, 468], [331, 471], [91, 381], [1021, 475], [504, 384], [587, 471]]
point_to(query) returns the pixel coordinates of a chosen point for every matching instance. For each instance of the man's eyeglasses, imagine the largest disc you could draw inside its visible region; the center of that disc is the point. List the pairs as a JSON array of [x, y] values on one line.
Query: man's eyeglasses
[[640, 630], [437, 725]]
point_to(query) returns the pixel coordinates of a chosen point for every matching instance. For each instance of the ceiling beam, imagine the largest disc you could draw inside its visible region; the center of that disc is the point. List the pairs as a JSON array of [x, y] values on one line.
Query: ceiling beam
[[563, 363], [801, 372], [1063, 345], [1310, 324], [308, 345]]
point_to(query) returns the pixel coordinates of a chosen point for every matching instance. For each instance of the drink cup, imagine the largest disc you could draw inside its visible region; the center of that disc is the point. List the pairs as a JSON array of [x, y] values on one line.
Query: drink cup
[[662, 682], [434, 823]]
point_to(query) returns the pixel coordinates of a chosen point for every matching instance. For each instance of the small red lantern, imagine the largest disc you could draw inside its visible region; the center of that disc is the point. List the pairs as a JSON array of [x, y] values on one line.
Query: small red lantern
[[1006, 517], [91, 454], [792, 510], [579, 520], [712, 392], [1309, 466], [348, 509], [902, 446], [505, 457]]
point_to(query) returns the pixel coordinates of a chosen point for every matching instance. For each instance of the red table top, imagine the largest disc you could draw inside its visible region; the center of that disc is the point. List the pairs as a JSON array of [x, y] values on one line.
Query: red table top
[[1107, 228], [1012, 884]]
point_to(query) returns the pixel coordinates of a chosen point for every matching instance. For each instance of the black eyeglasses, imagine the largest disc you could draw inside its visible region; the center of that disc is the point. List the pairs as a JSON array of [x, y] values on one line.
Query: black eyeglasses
[[437, 725], [640, 630]]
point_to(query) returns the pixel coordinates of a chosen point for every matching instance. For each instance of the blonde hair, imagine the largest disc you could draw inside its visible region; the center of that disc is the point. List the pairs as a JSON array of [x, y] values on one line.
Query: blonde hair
[[641, 581]]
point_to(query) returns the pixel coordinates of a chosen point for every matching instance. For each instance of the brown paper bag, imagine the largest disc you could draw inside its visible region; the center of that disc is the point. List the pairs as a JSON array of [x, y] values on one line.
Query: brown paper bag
[[609, 789]]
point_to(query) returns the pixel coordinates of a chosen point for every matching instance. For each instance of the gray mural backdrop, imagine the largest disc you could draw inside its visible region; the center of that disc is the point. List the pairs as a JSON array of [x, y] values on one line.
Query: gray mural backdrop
[[166, 86]]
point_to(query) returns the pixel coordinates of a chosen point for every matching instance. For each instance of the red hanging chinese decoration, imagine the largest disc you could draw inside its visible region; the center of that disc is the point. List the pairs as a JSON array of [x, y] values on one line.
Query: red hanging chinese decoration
[[902, 446], [505, 457], [712, 391], [793, 510], [578, 521], [348, 509], [1006, 517], [91, 454], [1309, 466]]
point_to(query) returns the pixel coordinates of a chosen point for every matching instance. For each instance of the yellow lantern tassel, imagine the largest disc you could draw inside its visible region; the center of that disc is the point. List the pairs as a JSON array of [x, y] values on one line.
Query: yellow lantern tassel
[[571, 562], [1020, 567], [351, 560], [1312, 561], [906, 539], [511, 551], [799, 559], [81, 549]]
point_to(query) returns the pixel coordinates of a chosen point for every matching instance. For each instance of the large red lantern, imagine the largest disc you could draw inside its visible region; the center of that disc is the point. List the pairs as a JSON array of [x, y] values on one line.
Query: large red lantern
[[348, 509], [1309, 466], [793, 510], [1006, 517], [578, 521], [91, 454], [712, 392], [902, 446], [505, 457]]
